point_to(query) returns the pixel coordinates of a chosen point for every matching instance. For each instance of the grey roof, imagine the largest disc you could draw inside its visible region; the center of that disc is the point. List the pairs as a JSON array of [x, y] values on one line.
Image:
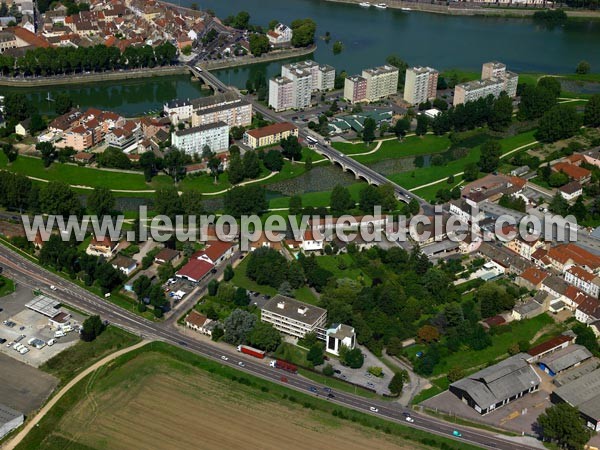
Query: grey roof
[[576, 372], [222, 107], [44, 305], [527, 307], [293, 309], [200, 128], [204, 102], [344, 331], [500, 381], [566, 357], [8, 414], [583, 393]]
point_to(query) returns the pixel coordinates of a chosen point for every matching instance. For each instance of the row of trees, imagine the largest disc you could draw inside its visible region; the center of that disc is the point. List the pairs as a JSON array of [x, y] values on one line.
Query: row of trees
[[98, 58]]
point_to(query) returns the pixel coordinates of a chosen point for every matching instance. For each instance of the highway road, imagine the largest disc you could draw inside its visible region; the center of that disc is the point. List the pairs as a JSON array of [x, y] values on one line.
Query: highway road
[[29, 274]]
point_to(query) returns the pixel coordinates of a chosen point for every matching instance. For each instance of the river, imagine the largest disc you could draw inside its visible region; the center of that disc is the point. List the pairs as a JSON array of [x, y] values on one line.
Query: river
[[369, 36]]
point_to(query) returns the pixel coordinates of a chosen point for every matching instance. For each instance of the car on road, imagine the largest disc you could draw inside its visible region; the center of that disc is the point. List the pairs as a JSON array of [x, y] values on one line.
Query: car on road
[[338, 371], [284, 379], [241, 364], [53, 288], [410, 419], [330, 395], [326, 389], [456, 433], [406, 414], [313, 389], [224, 358], [373, 409]]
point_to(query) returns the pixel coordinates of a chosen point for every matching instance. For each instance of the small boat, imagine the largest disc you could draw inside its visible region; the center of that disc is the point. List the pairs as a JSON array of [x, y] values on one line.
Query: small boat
[[365, 4], [381, 6], [405, 9]]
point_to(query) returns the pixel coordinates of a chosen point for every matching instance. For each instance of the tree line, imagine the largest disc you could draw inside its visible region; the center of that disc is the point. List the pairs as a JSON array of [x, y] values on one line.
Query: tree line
[[98, 58]]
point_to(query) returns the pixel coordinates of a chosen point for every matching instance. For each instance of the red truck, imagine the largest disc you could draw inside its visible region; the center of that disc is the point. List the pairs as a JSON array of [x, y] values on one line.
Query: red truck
[[283, 365], [260, 354]]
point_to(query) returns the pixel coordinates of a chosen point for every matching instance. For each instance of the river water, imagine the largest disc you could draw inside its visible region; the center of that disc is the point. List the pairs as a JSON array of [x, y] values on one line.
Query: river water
[[369, 36]]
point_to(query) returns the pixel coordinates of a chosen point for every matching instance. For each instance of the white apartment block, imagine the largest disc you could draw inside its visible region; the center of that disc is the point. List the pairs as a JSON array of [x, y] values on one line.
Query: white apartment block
[[420, 85], [495, 79], [584, 280], [193, 140], [293, 317], [234, 114], [280, 93], [381, 82], [322, 76], [183, 109]]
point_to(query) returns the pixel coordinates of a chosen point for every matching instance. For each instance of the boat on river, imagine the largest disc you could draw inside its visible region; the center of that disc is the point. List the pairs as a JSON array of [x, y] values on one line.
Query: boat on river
[[365, 4], [381, 6]]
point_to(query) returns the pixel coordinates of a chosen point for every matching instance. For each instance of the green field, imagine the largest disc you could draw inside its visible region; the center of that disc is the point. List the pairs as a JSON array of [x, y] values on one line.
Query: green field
[[137, 401], [341, 267], [73, 360], [7, 286], [351, 148], [409, 146]]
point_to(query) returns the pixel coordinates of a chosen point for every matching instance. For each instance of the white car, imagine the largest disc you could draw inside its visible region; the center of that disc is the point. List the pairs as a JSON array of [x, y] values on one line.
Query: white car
[[373, 409], [224, 358], [51, 342], [241, 364], [410, 419], [52, 287], [23, 350]]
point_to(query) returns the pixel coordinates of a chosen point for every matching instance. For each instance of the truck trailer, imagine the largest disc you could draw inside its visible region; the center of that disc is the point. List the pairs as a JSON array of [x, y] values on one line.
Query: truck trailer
[[260, 354], [284, 365]]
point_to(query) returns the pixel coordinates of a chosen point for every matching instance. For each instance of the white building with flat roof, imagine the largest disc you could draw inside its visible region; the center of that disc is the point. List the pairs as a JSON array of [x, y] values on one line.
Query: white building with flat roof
[[193, 140], [381, 82], [293, 317], [495, 79], [420, 85]]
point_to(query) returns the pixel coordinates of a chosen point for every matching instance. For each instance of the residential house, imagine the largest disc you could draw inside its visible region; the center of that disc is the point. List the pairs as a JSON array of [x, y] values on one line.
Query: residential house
[[280, 36], [532, 278], [524, 247], [124, 264], [22, 128], [582, 279], [217, 252], [588, 310], [166, 256], [312, 241], [102, 247], [564, 256], [575, 173], [84, 157], [527, 310], [269, 135], [571, 190], [198, 322]]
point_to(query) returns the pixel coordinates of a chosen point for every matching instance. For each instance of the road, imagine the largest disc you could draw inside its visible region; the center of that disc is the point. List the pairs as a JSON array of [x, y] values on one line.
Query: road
[[30, 274]]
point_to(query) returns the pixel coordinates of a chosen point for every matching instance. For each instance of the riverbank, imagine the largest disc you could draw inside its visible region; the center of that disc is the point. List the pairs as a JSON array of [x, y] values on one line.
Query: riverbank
[[93, 77], [464, 9], [275, 55]]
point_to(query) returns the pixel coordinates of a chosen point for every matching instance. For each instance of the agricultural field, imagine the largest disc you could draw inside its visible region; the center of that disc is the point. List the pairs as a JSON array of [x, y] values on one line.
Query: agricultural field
[[139, 402]]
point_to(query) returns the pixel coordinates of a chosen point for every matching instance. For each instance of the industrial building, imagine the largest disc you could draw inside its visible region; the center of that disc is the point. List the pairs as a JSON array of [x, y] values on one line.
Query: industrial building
[[583, 394], [498, 385], [9, 420]]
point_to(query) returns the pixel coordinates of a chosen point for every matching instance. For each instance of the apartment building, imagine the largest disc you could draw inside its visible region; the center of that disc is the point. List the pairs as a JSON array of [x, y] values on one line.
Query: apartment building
[[355, 89], [495, 79], [193, 140], [322, 76], [381, 82], [235, 114], [293, 317], [269, 135], [584, 280], [280, 93], [183, 109], [281, 35], [325, 78], [420, 85], [7, 41]]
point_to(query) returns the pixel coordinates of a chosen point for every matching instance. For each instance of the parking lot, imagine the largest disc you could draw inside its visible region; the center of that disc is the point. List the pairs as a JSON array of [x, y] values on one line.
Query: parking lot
[[20, 325], [23, 387], [361, 376]]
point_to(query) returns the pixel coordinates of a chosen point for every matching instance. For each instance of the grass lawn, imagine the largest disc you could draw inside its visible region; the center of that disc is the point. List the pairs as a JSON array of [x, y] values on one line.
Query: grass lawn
[[110, 409], [75, 359], [350, 148], [82, 176], [410, 146], [315, 199], [292, 353], [341, 267], [461, 76], [428, 193], [7, 286]]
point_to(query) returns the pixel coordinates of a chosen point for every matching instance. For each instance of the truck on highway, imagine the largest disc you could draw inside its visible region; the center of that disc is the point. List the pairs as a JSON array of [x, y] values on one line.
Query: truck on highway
[[284, 365], [260, 354]]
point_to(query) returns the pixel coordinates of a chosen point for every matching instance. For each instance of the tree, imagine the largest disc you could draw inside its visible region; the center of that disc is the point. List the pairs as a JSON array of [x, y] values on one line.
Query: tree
[[16, 107], [428, 334], [351, 358], [303, 32], [422, 125], [285, 289], [165, 271], [396, 61], [10, 151], [455, 374], [558, 179], [167, 201], [265, 337], [174, 163], [397, 382], [251, 164], [114, 158], [213, 286], [92, 328], [267, 266], [291, 148], [552, 84], [238, 326], [369, 197], [563, 425], [560, 122], [217, 333], [315, 355], [471, 172], [328, 370], [59, 199], [413, 206], [236, 169], [62, 103], [591, 116], [401, 127], [501, 116], [259, 44], [535, 101], [583, 67], [338, 46], [48, 152], [341, 200], [490, 156], [493, 299], [245, 200], [141, 287], [586, 337], [228, 273], [101, 201], [273, 161], [295, 204], [368, 133], [559, 205]]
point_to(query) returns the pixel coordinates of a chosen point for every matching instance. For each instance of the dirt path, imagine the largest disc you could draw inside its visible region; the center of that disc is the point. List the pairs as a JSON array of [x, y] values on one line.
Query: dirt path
[[10, 445]]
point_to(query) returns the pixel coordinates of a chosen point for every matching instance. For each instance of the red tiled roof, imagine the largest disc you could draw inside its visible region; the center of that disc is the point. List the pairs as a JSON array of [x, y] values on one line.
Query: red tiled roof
[[166, 254], [565, 252], [270, 130], [591, 307], [196, 319], [217, 249], [534, 275], [549, 345], [196, 269], [575, 295], [582, 274], [29, 37], [83, 156], [495, 321], [575, 172], [571, 187]]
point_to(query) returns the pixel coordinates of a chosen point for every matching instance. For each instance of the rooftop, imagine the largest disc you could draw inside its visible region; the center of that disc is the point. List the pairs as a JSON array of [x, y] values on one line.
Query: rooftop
[[549, 344], [583, 393], [196, 319], [200, 128], [270, 130], [44, 305], [293, 309], [566, 357], [8, 414]]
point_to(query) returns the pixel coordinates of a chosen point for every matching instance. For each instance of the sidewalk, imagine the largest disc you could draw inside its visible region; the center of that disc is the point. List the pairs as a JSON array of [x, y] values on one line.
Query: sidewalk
[[416, 383]]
